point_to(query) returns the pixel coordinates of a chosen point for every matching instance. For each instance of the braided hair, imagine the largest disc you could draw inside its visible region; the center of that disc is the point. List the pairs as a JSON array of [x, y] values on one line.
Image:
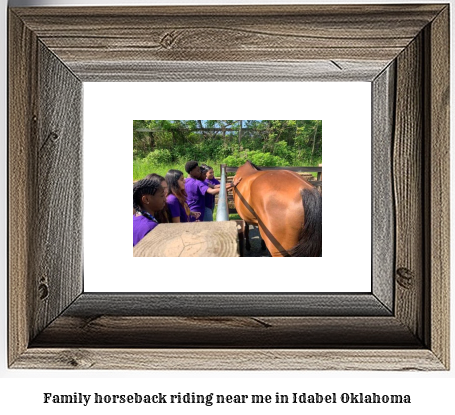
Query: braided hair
[[155, 177], [162, 216], [141, 188]]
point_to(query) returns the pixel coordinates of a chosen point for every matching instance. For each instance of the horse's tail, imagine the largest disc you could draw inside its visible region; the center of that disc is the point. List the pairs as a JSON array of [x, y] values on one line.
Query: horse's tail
[[310, 239]]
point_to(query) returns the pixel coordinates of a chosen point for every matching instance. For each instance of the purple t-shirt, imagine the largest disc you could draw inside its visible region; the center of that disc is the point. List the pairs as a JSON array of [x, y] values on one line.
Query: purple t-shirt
[[141, 227], [176, 208], [195, 190], [210, 199]]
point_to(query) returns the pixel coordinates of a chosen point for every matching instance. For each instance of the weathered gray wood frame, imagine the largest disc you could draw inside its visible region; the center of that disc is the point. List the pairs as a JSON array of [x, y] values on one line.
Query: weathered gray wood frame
[[403, 50]]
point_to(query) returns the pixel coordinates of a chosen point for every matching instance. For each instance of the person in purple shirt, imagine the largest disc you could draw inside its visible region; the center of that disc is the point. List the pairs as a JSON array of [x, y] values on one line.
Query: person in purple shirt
[[148, 198], [176, 198], [209, 199], [163, 215], [196, 189]]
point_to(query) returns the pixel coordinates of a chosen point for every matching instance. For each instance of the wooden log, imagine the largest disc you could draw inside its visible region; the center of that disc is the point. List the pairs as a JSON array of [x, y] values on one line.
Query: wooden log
[[196, 239]]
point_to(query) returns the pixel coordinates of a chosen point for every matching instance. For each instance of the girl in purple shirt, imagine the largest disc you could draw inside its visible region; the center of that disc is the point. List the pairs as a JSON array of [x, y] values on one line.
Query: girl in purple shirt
[[176, 198], [213, 183], [163, 215], [148, 198]]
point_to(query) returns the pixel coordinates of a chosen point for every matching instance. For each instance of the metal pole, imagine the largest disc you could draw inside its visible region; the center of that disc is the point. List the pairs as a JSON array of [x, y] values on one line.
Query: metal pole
[[222, 213]]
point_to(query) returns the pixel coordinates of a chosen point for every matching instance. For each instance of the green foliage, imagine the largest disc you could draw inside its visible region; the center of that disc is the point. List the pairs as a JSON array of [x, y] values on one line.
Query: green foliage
[[170, 143], [257, 157], [158, 157], [267, 159], [283, 151], [142, 167]]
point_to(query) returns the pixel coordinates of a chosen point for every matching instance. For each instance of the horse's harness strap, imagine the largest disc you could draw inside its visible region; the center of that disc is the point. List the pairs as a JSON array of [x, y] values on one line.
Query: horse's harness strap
[[247, 205]]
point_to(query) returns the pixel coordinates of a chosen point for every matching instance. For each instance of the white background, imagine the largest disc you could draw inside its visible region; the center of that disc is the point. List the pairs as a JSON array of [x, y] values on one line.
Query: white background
[[22, 391], [346, 209]]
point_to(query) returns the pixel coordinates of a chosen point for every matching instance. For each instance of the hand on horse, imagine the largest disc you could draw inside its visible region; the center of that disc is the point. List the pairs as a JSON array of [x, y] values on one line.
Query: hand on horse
[[235, 182]]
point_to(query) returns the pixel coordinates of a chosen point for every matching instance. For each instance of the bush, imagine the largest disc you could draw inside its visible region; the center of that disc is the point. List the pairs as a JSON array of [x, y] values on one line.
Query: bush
[[257, 157], [283, 151], [139, 154], [266, 159], [158, 157]]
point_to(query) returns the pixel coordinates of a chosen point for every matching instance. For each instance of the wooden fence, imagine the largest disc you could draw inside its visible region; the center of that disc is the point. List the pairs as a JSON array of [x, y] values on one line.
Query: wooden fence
[[304, 169]]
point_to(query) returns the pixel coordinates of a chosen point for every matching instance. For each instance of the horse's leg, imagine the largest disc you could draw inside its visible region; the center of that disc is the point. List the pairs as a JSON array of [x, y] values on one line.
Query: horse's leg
[[263, 247], [247, 237]]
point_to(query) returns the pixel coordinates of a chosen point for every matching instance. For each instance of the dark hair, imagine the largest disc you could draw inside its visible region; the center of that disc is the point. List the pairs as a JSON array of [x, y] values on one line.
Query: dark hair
[[155, 177], [141, 188], [206, 167], [190, 165], [163, 215], [172, 179]]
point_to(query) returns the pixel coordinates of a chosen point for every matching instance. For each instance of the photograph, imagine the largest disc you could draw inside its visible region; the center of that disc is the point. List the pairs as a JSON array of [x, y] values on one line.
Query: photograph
[[196, 319], [386, 218], [205, 188]]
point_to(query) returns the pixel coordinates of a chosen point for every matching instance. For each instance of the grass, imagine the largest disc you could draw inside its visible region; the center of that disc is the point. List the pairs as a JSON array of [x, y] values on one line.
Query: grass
[[232, 216], [141, 168]]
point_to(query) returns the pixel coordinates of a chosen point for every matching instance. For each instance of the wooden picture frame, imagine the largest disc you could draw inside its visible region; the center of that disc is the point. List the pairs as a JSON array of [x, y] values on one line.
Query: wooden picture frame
[[403, 324]]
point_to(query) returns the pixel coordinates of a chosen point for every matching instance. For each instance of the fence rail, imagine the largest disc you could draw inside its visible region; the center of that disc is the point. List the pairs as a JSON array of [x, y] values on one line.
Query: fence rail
[[302, 169], [222, 213]]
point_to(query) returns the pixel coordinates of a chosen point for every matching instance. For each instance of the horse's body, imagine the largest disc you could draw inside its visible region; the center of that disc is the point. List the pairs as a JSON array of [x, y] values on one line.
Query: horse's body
[[285, 207]]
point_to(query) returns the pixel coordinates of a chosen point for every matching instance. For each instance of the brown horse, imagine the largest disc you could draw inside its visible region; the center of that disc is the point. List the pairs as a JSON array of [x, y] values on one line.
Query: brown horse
[[285, 207]]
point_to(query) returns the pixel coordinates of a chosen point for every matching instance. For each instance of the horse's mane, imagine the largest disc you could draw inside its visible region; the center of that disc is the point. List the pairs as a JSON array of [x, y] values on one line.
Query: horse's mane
[[254, 165]]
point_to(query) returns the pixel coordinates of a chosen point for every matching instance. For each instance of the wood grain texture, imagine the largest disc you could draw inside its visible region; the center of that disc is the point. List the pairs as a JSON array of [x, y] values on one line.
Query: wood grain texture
[[281, 43], [311, 71], [257, 332], [45, 187], [22, 130], [408, 188], [91, 305], [439, 193], [195, 239], [383, 215], [58, 183], [228, 359], [334, 39]]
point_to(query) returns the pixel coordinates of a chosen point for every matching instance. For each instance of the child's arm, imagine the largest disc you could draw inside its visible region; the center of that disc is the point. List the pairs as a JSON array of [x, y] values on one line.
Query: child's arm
[[212, 191]]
